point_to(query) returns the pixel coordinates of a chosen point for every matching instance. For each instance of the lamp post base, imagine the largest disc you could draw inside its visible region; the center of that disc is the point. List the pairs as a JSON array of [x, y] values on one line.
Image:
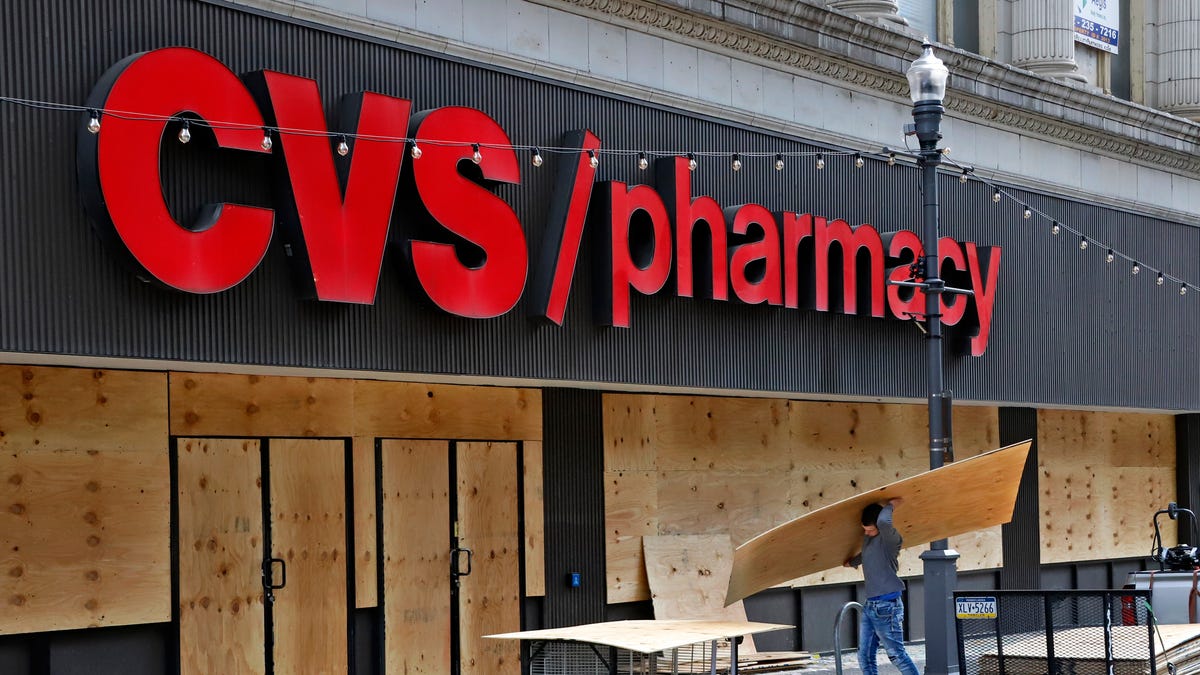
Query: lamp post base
[[941, 643]]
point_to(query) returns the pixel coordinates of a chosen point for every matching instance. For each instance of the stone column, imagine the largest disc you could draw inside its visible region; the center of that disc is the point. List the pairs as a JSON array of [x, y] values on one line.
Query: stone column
[[1179, 58], [886, 10], [1044, 38]]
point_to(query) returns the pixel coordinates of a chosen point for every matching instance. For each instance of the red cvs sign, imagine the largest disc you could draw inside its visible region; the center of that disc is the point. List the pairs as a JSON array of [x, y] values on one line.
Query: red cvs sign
[[334, 212]]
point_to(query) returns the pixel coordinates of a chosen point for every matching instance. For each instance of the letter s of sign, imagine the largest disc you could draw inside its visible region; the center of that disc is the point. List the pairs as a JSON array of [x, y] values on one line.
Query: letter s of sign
[[119, 177], [468, 209]]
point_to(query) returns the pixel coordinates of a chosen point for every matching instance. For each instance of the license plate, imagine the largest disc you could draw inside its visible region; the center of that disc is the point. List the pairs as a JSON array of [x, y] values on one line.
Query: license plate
[[975, 608]]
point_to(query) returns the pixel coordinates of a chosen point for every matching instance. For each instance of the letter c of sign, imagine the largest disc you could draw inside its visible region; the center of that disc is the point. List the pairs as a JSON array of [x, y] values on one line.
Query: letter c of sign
[[119, 177]]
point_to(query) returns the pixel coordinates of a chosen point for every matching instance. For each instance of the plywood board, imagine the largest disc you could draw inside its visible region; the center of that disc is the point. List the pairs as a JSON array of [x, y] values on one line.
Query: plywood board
[[960, 497], [84, 539], [629, 436], [646, 636], [308, 530], [851, 436], [728, 435], [489, 600], [221, 612], [215, 404], [410, 410], [741, 504], [415, 564], [45, 408], [688, 576], [630, 511], [366, 580], [535, 521], [1107, 438]]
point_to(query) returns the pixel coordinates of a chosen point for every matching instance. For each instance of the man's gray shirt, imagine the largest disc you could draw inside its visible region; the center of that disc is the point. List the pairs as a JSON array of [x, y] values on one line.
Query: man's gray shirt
[[880, 557]]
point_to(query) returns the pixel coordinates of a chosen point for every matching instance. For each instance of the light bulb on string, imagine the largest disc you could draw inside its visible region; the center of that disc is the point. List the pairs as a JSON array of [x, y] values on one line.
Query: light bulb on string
[[415, 151], [266, 140], [1137, 269], [820, 161], [736, 164], [779, 161], [858, 161], [93, 124], [996, 196], [536, 160], [185, 133], [343, 147], [593, 160], [1054, 228], [692, 164], [1109, 257], [643, 163], [1027, 213], [965, 175], [1083, 243], [891, 159], [476, 156], [1183, 289], [1160, 279]]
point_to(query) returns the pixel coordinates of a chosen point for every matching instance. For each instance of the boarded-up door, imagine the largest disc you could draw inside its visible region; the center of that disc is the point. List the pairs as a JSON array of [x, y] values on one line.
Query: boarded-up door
[[430, 625], [229, 511]]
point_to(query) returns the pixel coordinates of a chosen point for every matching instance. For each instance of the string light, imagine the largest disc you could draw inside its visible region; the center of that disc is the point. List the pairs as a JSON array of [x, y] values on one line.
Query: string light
[[593, 160], [820, 161], [94, 121], [1054, 228], [779, 161], [643, 163], [858, 161], [1137, 269], [343, 148], [185, 133], [266, 141], [1109, 257], [1083, 243], [996, 196], [1027, 213], [476, 156], [1183, 289], [891, 159], [416, 151], [692, 161], [1160, 279], [965, 175], [736, 164], [537, 157]]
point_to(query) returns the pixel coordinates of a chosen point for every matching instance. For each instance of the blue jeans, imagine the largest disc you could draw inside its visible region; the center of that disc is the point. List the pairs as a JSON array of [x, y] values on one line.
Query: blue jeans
[[883, 623]]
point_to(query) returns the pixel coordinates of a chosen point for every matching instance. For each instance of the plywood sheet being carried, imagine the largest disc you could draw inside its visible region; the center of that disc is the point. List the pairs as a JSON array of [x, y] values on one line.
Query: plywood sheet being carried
[[415, 490], [45, 408], [216, 404], [221, 610], [961, 497], [84, 539], [688, 576], [413, 410], [308, 530], [489, 599]]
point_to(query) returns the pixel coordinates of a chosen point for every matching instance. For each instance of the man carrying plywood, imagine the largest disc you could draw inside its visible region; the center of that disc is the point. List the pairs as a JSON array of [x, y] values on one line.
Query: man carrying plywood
[[883, 612]]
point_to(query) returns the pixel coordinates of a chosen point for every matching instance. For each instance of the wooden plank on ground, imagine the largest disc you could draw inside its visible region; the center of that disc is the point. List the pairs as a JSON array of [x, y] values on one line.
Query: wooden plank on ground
[[961, 497], [84, 539], [366, 580], [412, 410], [415, 556], [221, 627], [535, 522], [44, 408], [217, 404], [308, 530], [688, 576], [487, 516]]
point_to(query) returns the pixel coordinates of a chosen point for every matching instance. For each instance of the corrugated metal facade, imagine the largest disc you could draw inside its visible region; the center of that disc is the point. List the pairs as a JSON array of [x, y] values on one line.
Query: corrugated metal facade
[[1068, 329]]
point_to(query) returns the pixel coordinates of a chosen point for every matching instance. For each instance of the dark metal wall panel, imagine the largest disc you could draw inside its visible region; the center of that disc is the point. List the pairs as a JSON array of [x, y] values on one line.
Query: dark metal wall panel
[[1187, 474], [128, 650], [1021, 538], [1069, 329], [776, 605], [573, 489]]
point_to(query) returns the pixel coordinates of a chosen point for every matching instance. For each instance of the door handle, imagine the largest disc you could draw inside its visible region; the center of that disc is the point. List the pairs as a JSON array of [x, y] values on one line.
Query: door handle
[[268, 576], [456, 563]]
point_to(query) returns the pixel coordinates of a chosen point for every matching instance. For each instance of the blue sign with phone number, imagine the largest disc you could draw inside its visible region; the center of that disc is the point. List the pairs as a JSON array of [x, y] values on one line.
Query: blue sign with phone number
[[1096, 34]]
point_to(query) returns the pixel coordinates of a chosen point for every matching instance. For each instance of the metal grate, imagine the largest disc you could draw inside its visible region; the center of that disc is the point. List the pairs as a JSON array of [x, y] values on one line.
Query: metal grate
[[1054, 632]]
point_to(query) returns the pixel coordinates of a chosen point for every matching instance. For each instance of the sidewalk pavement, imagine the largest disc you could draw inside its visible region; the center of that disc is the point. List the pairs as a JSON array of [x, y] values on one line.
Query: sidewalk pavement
[[825, 665]]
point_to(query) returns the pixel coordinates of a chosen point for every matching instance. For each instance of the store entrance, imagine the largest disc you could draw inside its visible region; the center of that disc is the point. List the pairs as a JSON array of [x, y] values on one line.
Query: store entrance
[[263, 532], [450, 556]]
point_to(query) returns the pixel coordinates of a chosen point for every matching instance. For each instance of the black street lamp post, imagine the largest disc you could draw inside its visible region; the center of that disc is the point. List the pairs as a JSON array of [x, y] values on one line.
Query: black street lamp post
[[927, 87]]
